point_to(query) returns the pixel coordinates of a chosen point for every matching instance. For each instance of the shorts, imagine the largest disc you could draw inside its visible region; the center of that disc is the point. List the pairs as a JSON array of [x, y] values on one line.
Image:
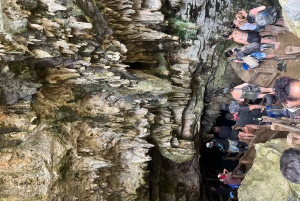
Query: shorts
[[253, 37], [259, 55], [250, 92], [233, 146], [259, 28], [250, 95]]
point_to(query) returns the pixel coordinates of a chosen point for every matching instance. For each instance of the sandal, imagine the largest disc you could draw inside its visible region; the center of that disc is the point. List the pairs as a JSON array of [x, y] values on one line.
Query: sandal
[[281, 66]]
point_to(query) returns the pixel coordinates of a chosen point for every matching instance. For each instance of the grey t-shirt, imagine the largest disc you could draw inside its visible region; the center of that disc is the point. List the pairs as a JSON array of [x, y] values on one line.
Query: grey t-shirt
[[248, 49]]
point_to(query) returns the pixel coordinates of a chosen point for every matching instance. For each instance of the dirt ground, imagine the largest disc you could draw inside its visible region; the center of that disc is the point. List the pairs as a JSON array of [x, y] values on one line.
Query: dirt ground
[[289, 39], [269, 67]]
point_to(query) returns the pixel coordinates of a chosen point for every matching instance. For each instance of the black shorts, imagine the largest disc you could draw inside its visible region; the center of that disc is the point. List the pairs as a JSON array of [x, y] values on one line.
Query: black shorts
[[253, 37]]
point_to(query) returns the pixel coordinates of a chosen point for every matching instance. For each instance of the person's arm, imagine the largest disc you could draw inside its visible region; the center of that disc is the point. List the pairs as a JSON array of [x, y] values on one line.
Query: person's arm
[[237, 61], [225, 171], [253, 126], [252, 107], [255, 11], [246, 129]]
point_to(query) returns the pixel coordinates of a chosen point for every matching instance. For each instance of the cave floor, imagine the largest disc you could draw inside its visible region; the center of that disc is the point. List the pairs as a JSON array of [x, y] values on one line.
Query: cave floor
[[267, 79]]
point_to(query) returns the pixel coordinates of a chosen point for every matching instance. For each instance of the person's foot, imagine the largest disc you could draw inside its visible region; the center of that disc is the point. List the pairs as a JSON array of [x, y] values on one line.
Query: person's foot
[[281, 65]]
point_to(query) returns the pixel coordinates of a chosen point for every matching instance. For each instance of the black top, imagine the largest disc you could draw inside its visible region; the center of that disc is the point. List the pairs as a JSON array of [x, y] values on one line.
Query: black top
[[221, 144], [250, 18], [228, 133], [245, 116]]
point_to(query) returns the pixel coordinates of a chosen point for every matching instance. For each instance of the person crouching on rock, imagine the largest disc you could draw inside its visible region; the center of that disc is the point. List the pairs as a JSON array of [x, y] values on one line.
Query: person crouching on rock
[[251, 49]]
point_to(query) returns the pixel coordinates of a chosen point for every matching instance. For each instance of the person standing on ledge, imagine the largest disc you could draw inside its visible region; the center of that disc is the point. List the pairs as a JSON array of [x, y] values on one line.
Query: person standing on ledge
[[248, 91]]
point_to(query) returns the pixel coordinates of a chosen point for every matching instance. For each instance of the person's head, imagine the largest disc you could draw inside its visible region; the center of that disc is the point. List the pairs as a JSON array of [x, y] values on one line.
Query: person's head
[[227, 34], [209, 144], [224, 107], [217, 129], [229, 53], [241, 16], [290, 165], [287, 91], [229, 116]]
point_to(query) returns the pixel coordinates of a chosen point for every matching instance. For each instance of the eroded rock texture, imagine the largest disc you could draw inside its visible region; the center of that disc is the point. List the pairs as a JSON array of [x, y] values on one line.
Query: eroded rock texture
[[265, 176], [87, 85]]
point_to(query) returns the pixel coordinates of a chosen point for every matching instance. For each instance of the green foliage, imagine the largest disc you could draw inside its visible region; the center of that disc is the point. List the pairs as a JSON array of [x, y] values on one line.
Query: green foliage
[[184, 30]]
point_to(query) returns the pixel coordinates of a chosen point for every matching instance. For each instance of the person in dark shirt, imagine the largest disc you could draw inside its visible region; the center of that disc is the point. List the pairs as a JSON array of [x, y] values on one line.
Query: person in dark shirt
[[226, 132], [227, 145], [247, 116]]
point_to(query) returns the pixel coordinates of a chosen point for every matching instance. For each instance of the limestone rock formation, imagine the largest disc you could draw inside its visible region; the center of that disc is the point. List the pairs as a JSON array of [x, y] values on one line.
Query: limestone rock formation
[[89, 87], [264, 180], [294, 26]]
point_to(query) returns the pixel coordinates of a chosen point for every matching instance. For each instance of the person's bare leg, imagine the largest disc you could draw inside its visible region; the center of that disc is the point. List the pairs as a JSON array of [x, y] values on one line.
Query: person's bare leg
[[266, 33], [269, 41], [266, 90], [275, 29], [280, 22], [245, 136], [271, 56], [252, 126]]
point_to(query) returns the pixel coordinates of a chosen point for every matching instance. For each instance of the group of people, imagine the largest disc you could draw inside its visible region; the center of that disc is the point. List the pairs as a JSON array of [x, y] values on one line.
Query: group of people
[[247, 117], [285, 94], [286, 91], [250, 30]]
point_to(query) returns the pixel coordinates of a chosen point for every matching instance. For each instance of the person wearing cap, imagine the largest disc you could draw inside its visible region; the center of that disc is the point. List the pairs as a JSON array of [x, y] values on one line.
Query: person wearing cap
[[227, 145], [247, 91], [226, 132], [252, 49]]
